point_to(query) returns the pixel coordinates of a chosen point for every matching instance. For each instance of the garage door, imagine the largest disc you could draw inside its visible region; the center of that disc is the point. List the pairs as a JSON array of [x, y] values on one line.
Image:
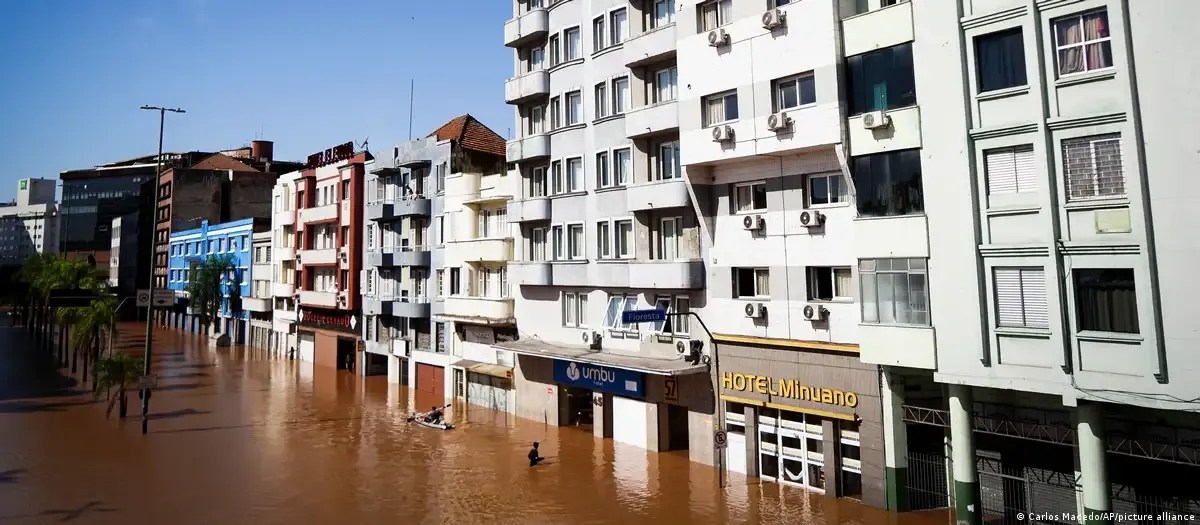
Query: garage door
[[431, 380], [487, 391], [629, 417], [735, 452], [308, 347]]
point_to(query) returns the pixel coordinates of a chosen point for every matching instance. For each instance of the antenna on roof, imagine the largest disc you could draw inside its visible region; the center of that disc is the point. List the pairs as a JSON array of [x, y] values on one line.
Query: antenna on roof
[[411, 85]]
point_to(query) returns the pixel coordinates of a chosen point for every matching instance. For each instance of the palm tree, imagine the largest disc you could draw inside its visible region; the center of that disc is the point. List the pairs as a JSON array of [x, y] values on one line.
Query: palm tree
[[88, 325], [209, 282], [119, 371], [44, 273]]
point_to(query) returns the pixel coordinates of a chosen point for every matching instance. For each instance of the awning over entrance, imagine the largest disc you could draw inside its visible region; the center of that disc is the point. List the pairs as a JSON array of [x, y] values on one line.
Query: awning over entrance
[[486, 369], [583, 354]]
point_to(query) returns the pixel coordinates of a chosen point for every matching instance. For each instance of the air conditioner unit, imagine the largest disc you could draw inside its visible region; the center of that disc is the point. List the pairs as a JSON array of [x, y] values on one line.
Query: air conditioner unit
[[779, 121], [753, 222], [876, 120], [774, 18], [756, 310], [815, 312], [592, 338], [722, 133], [812, 219], [718, 38]]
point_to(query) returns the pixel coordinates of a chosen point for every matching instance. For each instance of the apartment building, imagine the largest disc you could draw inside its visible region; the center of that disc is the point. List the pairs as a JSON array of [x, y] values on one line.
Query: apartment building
[[259, 304], [29, 224], [188, 248], [605, 224], [283, 264]]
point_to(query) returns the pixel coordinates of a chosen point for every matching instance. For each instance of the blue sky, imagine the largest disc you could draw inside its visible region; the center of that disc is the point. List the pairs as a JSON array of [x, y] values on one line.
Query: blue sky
[[305, 74]]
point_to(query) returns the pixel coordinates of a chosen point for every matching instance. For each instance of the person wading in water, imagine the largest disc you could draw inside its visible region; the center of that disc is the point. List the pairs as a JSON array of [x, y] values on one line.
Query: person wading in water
[[534, 458]]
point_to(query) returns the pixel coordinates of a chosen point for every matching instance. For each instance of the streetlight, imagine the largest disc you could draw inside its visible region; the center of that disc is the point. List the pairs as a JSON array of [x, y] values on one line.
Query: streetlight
[[162, 117]]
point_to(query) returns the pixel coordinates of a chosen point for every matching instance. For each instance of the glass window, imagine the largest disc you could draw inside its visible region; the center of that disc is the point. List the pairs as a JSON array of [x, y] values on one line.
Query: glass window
[[1083, 42], [668, 161], [575, 174], [793, 92], [558, 183], [603, 176], [894, 291], [750, 197], [751, 282], [571, 36], [1106, 300], [599, 33], [888, 184], [601, 98], [553, 45], [1000, 60], [623, 232], [574, 108], [664, 13], [620, 95], [1021, 297], [714, 14], [603, 240], [828, 283], [575, 241], [665, 84], [881, 80], [669, 234], [720, 108], [1093, 168], [622, 166], [826, 189], [618, 25]]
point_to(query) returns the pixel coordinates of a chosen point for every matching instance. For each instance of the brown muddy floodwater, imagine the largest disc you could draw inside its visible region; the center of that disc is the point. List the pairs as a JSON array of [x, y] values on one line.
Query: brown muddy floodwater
[[237, 437]]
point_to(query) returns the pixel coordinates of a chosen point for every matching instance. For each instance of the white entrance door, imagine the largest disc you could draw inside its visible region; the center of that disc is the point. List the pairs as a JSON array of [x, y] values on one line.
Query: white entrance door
[[308, 347], [629, 421], [791, 448]]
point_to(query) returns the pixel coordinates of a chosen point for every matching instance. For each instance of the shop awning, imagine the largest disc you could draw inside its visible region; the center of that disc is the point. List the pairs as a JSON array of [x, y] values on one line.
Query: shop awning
[[487, 369], [582, 354]]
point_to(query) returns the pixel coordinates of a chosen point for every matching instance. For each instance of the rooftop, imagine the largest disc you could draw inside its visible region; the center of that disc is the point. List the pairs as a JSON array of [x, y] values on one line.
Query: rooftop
[[471, 134]]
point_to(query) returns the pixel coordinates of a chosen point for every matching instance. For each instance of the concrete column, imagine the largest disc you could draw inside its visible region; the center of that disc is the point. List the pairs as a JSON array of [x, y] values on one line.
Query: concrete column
[[962, 439], [654, 442], [831, 437], [895, 443], [602, 415], [751, 441], [1097, 498]]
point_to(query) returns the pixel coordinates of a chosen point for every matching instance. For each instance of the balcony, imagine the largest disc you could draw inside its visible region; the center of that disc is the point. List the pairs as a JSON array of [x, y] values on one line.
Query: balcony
[[395, 209], [282, 289], [284, 218], [405, 307], [657, 194], [648, 121], [318, 256], [284, 254], [531, 273], [526, 28], [499, 309], [527, 87], [401, 347], [399, 256], [528, 148], [678, 274], [651, 46], [256, 304], [286, 316], [327, 212], [373, 305], [323, 299], [487, 249], [534, 209]]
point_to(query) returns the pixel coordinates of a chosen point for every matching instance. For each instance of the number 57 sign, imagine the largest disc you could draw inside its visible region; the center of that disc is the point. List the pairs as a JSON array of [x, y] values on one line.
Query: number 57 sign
[[671, 389]]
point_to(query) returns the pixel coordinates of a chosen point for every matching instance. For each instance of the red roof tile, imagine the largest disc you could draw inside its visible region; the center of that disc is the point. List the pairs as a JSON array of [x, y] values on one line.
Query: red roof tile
[[218, 161], [471, 134]]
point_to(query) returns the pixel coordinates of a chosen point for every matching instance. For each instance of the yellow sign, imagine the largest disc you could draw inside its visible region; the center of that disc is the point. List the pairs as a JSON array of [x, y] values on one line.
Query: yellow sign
[[787, 388], [671, 389]]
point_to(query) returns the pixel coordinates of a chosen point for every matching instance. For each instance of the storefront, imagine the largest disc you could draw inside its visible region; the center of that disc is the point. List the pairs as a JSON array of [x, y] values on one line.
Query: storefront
[[328, 338], [804, 418], [484, 377], [431, 381]]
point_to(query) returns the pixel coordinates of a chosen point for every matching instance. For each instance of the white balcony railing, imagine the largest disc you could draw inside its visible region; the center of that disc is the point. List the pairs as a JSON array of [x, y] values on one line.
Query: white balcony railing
[[326, 299], [319, 213]]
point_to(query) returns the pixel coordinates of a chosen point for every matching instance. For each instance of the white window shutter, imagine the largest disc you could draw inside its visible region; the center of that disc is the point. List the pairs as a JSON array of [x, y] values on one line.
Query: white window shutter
[[1001, 171], [1033, 297], [1025, 169], [1008, 297]]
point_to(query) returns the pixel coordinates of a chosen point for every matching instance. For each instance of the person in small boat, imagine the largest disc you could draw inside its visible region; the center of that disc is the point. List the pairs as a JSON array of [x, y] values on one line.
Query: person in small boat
[[534, 458], [434, 416]]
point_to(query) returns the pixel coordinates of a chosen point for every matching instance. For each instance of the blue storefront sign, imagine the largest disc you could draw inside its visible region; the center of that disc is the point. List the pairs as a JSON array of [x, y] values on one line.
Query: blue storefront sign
[[601, 378]]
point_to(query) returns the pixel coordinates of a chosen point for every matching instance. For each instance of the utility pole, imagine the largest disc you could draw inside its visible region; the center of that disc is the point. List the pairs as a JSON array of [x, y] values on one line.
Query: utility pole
[[162, 117]]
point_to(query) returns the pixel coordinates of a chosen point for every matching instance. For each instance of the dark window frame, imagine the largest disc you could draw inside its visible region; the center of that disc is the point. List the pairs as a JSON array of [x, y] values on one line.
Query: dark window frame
[[1106, 300], [888, 184], [891, 67], [1000, 60]]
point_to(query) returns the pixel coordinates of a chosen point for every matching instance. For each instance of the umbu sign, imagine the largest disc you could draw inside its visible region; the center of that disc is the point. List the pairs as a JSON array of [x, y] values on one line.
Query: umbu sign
[[787, 388]]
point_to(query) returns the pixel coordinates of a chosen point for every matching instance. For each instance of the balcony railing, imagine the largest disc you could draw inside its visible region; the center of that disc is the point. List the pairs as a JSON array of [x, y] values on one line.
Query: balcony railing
[[407, 206], [320, 213]]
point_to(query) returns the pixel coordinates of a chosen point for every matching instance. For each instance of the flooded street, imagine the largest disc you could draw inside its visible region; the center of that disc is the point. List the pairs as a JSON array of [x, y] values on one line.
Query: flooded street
[[237, 437]]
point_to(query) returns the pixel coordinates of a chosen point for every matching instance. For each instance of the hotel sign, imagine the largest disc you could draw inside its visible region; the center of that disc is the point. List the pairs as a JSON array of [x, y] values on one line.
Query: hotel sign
[[787, 388], [331, 155]]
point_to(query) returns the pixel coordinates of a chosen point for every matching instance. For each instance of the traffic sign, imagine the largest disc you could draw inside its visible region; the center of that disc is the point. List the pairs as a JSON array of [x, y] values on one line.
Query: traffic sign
[[147, 382], [164, 297], [719, 439], [143, 298], [643, 316]]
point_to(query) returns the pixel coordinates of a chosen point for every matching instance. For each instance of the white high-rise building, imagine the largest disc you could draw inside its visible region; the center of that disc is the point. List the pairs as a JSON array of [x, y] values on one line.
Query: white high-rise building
[[283, 264], [29, 225]]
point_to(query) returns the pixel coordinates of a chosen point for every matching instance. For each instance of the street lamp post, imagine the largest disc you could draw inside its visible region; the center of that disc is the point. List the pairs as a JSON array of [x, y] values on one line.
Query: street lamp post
[[162, 117]]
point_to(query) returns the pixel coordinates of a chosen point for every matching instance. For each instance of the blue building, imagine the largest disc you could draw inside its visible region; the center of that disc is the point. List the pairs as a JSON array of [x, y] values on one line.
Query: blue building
[[190, 247]]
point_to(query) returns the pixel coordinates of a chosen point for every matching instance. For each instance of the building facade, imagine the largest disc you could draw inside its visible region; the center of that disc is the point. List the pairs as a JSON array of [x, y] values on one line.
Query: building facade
[[605, 224], [30, 224], [259, 305], [283, 263], [230, 242]]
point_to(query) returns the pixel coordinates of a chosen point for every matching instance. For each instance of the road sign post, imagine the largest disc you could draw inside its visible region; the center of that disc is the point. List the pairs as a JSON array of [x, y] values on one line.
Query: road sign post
[[143, 298], [643, 316], [720, 439], [147, 382], [162, 298]]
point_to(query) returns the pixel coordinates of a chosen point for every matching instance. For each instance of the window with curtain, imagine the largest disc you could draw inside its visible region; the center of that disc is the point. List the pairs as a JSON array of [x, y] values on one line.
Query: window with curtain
[[720, 108], [538, 182], [601, 98], [665, 82], [537, 124], [558, 184], [1011, 170], [537, 244], [622, 166], [623, 238], [618, 26], [1083, 42], [555, 113], [668, 161], [881, 80], [888, 184], [575, 174], [603, 240], [571, 37], [751, 283], [599, 33], [1021, 297], [670, 232], [894, 291], [664, 13], [553, 50], [1092, 167], [557, 243], [1000, 60], [1106, 300], [574, 108], [575, 242], [713, 14], [828, 283], [620, 95], [603, 175]]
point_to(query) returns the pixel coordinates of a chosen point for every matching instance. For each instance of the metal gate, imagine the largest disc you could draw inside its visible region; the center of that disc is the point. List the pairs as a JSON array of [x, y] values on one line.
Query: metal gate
[[487, 391], [927, 481]]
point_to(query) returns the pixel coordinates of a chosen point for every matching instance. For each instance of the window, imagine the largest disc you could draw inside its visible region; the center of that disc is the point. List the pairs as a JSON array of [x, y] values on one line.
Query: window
[[1083, 42], [1010, 170], [617, 304], [793, 92], [622, 166], [749, 197], [623, 238], [538, 182], [669, 233], [620, 95], [559, 185], [1106, 300], [571, 37], [557, 243], [599, 33], [575, 174], [720, 108], [574, 108], [1021, 297], [603, 175], [881, 80], [444, 167], [1092, 167], [751, 282], [537, 121], [664, 13], [826, 189], [575, 241], [455, 285], [574, 309], [668, 161], [537, 244], [553, 46], [537, 57], [894, 291], [601, 98], [438, 275], [603, 240], [555, 113], [1000, 60], [673, 324], [888, 184], [618, 26], [441, 228], [666, 84], [828, 283], [714, 14]]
